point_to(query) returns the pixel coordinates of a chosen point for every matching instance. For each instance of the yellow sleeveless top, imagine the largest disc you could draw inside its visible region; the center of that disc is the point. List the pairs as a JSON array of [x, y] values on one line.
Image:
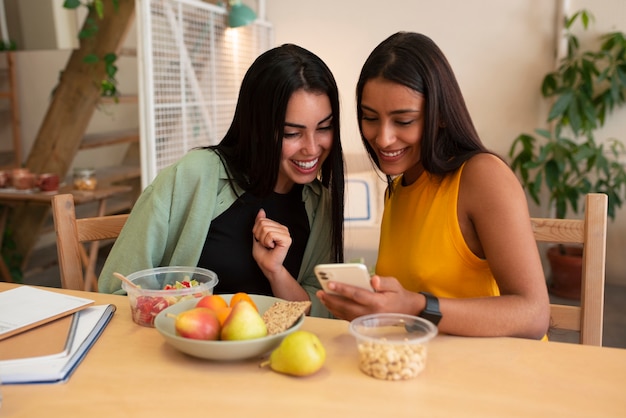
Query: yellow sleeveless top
[[421, 242]]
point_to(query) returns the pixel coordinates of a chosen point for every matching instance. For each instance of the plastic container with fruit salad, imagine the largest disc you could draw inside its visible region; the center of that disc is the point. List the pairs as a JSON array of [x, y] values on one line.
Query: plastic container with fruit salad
[[158, 288]]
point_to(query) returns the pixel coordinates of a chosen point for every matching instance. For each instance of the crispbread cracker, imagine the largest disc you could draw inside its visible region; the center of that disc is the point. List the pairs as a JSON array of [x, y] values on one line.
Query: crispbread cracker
[[281, 315]]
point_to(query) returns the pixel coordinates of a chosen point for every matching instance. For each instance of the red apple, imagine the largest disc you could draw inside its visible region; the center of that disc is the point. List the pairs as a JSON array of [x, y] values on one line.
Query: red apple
[[198, 324]]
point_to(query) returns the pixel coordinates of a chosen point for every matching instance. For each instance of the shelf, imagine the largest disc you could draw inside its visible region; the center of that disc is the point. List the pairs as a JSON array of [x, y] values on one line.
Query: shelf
[[111, 175], [109, 138], [128, 52]]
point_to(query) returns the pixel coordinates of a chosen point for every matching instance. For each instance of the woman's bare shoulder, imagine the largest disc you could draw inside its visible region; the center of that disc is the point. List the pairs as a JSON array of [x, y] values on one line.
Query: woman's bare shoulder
[[488, 179], [487, 167], [487, 161]]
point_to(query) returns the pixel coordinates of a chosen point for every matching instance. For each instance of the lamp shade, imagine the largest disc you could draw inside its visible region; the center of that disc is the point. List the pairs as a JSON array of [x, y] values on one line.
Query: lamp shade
[[240, 15]]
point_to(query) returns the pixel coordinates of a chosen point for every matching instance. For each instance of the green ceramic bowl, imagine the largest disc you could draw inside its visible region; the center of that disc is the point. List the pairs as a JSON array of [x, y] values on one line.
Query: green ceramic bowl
[[221, 350]]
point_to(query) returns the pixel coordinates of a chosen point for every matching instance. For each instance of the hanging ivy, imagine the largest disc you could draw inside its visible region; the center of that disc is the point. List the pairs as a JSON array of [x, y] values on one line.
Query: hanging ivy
[[108, 85]]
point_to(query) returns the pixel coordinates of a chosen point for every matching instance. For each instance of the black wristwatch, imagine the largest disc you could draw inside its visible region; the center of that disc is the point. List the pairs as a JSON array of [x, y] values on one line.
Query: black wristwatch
[[431, 311]]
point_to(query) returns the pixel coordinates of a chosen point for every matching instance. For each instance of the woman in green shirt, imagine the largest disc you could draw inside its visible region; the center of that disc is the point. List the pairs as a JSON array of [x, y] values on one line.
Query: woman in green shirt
[[262, 207]]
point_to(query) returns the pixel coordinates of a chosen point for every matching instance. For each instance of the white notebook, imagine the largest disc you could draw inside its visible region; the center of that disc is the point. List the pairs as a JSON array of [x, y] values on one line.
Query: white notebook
[[46, 369], [26, 307]]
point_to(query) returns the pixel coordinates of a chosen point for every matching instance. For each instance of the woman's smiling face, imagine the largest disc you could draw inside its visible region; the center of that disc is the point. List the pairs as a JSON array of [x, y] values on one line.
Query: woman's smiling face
[[393, 123], [307, 139]]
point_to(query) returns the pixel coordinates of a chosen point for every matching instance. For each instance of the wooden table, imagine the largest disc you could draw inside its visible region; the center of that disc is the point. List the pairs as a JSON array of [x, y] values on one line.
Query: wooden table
[[10, 198], [131, 372]]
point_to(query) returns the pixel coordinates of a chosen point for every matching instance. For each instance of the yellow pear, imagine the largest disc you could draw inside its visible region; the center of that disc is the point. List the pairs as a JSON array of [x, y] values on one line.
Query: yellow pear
[[243, 323], [301, 353]]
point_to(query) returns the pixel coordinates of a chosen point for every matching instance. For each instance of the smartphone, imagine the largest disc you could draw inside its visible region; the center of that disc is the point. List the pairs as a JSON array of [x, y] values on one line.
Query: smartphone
[[354, 274]]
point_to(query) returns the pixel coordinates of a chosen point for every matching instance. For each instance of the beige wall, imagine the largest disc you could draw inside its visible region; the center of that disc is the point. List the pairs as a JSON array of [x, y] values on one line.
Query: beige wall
[[500, 51]]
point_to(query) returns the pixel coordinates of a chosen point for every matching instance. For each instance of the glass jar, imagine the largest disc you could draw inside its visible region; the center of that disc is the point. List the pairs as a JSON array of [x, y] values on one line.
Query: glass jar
[[85, 179]]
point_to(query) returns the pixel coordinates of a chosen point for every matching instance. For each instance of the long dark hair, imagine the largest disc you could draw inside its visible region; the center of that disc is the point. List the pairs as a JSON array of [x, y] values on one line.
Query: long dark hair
[[252, 147], [415, 61]]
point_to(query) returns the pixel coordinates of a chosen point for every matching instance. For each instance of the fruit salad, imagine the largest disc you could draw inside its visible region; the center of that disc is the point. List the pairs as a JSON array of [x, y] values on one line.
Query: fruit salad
[[181, 285], [146, 307], [154, 289]]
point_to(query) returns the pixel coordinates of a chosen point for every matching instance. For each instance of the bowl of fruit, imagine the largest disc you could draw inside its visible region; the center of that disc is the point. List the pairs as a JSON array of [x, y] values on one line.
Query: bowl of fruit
[[155, 289], [230, 327]]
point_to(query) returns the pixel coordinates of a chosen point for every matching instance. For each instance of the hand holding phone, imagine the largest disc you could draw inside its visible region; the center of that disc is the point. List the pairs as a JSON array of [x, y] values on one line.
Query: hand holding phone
[[353, 274]]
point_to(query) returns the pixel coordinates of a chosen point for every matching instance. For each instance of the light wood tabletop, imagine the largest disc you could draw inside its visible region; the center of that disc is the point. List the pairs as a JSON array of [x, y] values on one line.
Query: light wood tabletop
[[131, 372]]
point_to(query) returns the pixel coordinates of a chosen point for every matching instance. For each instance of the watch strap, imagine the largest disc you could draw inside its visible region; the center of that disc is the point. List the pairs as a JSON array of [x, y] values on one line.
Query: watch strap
[[431, 312]]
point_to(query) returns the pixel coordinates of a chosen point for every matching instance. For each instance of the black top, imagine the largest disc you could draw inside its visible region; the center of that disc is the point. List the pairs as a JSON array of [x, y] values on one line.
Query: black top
[[228, 247]]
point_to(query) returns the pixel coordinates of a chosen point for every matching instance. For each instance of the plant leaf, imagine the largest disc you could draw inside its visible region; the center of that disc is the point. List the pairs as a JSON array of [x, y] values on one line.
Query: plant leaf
[[99, 6], [91, 59], [71, 4], [561, 105]]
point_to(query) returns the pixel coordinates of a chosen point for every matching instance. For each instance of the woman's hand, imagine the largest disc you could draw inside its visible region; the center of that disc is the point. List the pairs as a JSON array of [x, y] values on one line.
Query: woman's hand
[[271, 241], [352, 301]]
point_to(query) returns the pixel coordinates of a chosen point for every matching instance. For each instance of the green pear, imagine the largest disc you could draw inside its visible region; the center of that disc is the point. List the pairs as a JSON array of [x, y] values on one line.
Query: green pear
[[243, 323], [301, 353], [197, 323]]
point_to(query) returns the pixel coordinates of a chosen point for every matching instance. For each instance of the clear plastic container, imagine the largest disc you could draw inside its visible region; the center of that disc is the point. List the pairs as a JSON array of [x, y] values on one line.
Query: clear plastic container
[[392, 346], [157, 289]]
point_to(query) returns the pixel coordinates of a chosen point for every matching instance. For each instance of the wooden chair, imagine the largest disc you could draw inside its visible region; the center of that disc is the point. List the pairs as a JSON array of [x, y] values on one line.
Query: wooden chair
[[587, 318], [76, 265]]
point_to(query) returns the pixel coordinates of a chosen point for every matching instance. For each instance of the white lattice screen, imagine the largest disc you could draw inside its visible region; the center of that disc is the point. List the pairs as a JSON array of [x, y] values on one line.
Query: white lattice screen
[[190, 65]]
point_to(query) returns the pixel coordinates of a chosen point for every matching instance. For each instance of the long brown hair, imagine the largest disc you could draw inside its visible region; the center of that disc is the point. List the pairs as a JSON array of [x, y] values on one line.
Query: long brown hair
[[415, 61]]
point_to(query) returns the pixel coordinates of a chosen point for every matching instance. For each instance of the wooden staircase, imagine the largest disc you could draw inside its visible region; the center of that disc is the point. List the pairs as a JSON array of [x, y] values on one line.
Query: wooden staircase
[[61, 135]]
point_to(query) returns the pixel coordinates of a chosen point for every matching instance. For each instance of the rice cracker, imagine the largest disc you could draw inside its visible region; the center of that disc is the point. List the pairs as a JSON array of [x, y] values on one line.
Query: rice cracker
[[282, 315]]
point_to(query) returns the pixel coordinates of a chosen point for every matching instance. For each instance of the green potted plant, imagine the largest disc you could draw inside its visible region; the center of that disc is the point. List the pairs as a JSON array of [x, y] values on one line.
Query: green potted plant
[[565, 159]]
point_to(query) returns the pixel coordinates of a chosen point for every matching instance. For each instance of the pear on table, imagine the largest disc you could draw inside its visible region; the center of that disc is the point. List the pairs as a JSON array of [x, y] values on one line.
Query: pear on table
[[243, 323], [301, 353]]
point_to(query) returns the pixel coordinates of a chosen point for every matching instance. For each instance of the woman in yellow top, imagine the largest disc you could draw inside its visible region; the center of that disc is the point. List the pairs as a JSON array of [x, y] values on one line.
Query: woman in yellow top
[[456, 242]]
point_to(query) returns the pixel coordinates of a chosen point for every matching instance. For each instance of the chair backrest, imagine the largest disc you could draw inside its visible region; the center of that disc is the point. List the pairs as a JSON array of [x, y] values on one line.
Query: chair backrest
[[591, 231], [77, 267]]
